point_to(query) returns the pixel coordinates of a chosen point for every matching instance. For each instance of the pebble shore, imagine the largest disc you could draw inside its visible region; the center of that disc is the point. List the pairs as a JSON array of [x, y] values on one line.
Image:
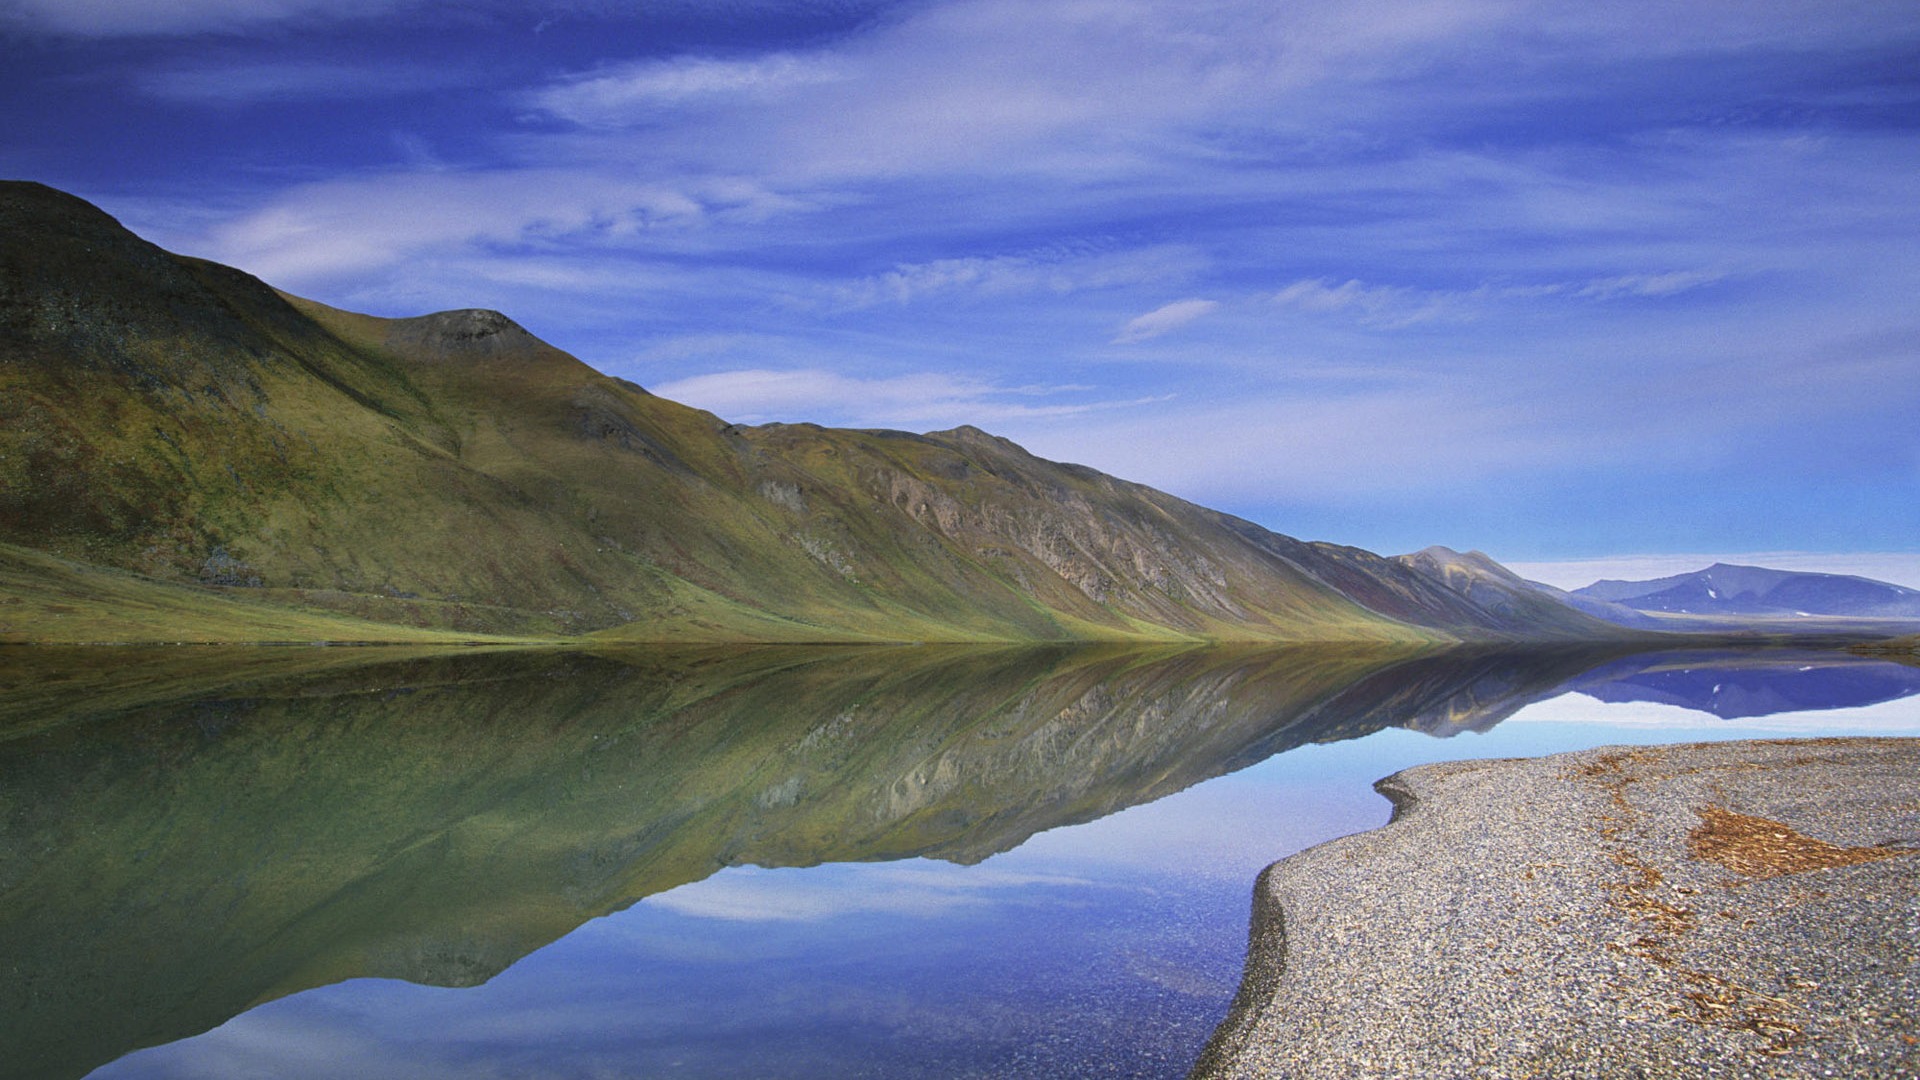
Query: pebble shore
[[1739, 909]]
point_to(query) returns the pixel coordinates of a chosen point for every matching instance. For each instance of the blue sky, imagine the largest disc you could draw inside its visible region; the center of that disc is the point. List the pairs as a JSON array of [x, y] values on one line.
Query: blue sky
[[1551, 280]]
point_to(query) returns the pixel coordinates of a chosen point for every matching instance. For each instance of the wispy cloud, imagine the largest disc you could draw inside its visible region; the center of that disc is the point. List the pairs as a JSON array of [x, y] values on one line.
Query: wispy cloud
[[636, 93], [376, 221], [1345, 447], [700, 346], [1053, 272], [114, 18], [1654, 285], [918, 400], [1393, 306], [1164, 319], [233, 84], [1385, 305]]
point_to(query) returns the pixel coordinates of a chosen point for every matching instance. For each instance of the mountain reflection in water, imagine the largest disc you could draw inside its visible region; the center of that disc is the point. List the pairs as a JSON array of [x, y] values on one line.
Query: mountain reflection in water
[[1733, 686], [190, 833]]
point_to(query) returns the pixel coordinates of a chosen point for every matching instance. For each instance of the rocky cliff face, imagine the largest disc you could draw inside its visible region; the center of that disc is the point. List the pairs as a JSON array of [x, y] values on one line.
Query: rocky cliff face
[[182, 420]]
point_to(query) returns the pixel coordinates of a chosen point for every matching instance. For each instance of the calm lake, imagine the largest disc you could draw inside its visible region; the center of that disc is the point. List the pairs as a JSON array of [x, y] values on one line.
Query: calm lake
[[779, 862]]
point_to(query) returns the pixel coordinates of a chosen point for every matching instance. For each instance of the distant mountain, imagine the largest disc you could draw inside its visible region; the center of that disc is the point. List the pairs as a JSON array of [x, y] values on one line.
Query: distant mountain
[[174, 432], [1487, 584], [1726, 589]]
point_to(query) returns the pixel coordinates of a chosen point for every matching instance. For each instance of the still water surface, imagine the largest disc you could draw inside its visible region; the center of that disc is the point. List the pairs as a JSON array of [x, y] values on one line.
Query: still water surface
[[886, 863]]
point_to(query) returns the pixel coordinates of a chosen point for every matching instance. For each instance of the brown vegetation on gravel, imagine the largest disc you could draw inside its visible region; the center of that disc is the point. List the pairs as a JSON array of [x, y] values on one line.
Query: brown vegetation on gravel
[[1761, 848]]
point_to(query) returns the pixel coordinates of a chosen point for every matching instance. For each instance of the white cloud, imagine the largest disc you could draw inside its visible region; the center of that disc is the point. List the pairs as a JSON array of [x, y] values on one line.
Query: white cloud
[[244, 83], [1058, 273], [112, 18], [908, 281], [1343, 448], [1394, 306], [1655, 285], [638, 92], [753, 394], [1654, 28], [920, 400], [1383, 305], [375, 221], [700, 346], [1164, 319], [1032, 87]]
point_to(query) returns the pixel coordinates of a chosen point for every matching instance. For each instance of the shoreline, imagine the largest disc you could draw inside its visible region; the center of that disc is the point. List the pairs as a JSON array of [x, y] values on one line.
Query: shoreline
[[1693, 910]]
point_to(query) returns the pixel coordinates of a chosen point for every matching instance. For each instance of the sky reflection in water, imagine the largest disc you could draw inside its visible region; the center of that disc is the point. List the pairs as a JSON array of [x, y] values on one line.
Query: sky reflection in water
[[1108, 949]]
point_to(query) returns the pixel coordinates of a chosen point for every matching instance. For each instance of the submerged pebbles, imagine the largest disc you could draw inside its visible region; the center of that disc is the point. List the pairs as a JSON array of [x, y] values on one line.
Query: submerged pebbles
[[1744, 909]]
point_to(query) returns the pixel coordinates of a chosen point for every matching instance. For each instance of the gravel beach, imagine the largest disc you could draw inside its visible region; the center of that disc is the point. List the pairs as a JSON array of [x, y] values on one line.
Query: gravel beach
[[1743, 909]]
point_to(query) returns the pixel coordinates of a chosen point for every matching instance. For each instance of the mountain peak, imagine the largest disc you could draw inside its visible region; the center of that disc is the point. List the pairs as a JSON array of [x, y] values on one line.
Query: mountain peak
[[469, 323], [1438, 556], [1484, 582], [461, 334], [32, 199], [1734, 589], [968, 435]]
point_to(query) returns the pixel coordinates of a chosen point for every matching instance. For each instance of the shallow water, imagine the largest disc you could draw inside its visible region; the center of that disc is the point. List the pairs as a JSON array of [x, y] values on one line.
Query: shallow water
[[772, 863]]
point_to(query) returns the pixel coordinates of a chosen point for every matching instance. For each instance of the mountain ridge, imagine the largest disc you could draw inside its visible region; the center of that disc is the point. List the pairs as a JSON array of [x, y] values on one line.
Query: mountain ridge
[[1734, 589], [1479, 577], [186, 423]]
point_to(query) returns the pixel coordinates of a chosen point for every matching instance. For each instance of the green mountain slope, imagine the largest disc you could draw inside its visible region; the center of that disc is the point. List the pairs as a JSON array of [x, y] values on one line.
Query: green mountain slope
[[45, 599], [180, 421]]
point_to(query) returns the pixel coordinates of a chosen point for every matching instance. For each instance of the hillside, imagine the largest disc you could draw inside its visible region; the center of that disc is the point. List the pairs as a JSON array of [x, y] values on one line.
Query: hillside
[[1495, 588], [184, 426]]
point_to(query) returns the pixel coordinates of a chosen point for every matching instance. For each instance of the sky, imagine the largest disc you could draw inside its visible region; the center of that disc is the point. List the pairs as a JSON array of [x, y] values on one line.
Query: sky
[[1562, 282]]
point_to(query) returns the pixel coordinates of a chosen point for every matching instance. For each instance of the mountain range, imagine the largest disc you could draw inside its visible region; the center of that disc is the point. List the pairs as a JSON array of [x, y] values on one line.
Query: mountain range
[[1720, 599], [188, 454], [1725, 589]]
